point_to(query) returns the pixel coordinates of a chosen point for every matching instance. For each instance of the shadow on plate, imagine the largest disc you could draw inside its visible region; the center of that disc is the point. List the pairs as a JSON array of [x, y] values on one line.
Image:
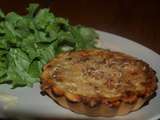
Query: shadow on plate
[[29, 118]]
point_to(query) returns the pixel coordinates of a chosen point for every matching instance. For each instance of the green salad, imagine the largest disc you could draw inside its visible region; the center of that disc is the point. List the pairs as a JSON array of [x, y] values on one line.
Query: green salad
[[30, 41]]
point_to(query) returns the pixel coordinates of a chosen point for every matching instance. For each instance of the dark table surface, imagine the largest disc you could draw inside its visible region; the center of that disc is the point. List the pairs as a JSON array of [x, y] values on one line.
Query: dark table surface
[[138, 20]]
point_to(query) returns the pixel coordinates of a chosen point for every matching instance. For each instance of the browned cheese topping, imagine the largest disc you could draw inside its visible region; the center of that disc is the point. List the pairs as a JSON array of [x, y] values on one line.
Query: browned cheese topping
[[99, 73]]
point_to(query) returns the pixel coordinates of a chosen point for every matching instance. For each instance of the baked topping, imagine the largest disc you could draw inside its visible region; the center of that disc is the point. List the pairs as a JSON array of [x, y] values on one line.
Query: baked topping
[[100, 73]]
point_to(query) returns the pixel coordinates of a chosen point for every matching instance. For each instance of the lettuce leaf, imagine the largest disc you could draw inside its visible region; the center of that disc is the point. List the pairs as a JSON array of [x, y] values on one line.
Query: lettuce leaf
[[27, 42]]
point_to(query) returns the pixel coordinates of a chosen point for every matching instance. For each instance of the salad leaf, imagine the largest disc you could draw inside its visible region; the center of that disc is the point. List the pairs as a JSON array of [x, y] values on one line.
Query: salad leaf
[[32, 9], [43, 18], [27, 42], [2, 15]]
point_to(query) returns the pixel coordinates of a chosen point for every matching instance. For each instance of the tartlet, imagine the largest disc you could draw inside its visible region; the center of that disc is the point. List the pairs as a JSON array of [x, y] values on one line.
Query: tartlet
[[98, 82]]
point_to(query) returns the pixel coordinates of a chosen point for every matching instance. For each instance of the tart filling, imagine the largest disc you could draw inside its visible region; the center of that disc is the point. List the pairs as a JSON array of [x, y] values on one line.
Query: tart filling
[[99, 77]]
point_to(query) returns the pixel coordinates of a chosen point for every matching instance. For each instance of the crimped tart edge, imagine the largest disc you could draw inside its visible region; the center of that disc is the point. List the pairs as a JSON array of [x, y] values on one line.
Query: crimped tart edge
[[99, 110]]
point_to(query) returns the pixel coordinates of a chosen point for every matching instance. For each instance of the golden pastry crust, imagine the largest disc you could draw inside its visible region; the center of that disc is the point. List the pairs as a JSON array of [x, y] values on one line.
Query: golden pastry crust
[[98, 82]]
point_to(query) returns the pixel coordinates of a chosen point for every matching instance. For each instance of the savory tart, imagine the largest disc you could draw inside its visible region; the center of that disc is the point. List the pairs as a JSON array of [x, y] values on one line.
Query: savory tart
[[98, 82]]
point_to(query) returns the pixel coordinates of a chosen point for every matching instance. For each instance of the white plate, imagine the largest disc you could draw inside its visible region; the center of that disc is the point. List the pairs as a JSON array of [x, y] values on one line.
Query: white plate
[[30, 102]]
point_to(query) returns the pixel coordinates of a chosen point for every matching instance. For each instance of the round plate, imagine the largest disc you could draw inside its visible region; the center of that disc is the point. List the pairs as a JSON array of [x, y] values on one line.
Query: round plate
[[31, 102]]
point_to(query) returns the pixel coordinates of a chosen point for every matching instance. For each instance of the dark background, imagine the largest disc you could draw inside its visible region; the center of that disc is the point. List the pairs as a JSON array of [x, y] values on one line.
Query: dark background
[[138, 20]]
